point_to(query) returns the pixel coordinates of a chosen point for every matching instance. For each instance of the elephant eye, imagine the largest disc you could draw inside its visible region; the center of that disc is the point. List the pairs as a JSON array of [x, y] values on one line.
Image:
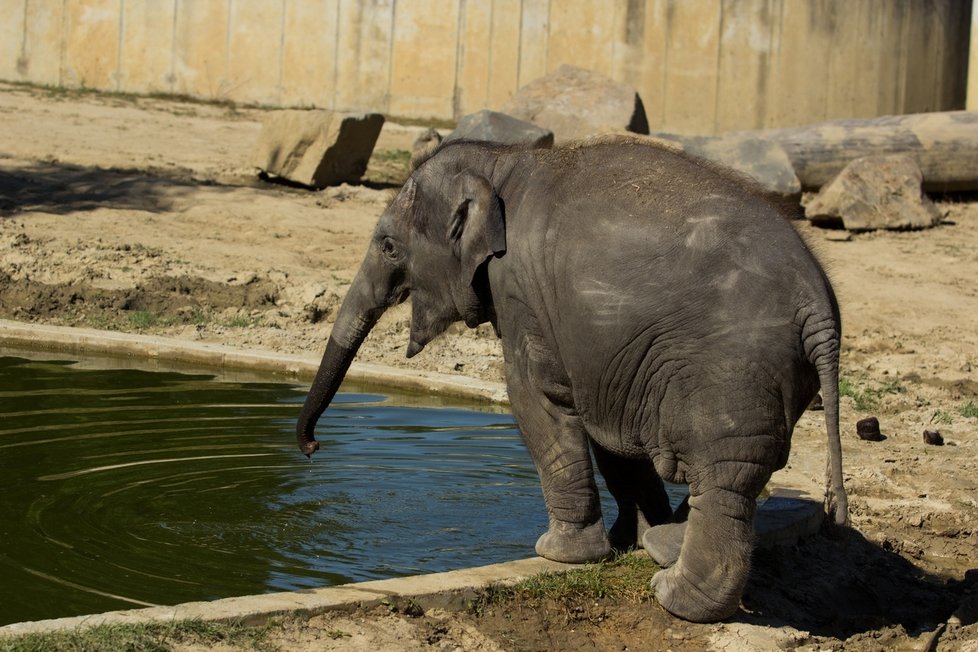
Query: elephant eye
[[389, 248]]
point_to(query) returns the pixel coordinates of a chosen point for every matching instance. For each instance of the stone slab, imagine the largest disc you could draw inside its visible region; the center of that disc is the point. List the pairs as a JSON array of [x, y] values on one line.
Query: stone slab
[[317, 148]]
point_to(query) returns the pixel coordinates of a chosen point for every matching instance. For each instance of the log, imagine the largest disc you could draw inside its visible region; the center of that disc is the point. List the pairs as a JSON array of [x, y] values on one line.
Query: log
[[945, 145]]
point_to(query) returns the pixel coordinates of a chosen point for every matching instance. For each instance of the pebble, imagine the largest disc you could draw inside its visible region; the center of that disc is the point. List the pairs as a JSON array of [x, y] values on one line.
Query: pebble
[[933, 437], [869, 429]]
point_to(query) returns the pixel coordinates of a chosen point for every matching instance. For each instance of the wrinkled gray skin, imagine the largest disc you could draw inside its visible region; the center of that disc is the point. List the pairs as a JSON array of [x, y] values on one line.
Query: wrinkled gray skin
[[651, 309]]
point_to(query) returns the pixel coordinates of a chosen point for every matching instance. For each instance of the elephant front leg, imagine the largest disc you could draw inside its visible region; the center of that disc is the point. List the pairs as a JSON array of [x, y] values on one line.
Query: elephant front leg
[[559, 447]]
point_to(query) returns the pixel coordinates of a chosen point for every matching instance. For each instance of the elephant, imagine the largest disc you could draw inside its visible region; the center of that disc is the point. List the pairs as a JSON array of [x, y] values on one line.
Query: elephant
[[659, 316]]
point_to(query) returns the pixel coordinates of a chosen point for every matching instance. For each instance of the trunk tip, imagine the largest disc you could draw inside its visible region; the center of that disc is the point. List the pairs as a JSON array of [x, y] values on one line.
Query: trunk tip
[[309, 447]]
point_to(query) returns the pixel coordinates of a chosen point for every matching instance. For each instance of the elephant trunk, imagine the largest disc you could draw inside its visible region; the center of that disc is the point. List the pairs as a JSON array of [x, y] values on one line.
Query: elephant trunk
[[356, 317]]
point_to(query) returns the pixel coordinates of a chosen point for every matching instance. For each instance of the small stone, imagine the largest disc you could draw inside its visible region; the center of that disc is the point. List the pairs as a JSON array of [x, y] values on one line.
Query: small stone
[[869, 429], [933, 437], [838, 235]]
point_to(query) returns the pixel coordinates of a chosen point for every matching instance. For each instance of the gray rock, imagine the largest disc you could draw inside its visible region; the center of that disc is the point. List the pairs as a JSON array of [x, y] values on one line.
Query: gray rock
[[317, 148], [763, 160], [875, 192], [575, 103], [495, 127], [424, 145]]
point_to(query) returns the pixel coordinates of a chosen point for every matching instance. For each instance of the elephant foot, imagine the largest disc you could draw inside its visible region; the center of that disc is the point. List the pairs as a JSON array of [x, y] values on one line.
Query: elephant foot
[[663, 543], [573, 543], [684, 599]]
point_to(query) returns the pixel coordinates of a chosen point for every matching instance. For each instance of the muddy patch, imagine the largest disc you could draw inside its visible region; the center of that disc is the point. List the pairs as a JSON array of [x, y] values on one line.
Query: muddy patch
[[177, 299]]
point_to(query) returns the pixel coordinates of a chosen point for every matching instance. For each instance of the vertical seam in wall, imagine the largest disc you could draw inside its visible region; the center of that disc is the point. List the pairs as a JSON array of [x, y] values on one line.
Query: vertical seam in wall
[[23, 35], [546, 45], [390, 58], [519, 47], [226, 81], [665, 65], [172, 81], [336, 56], [63, 49], [615, 22], [492, 39], [280, 91], [716, 83], [459, 51], [118, 59], [778, 98]]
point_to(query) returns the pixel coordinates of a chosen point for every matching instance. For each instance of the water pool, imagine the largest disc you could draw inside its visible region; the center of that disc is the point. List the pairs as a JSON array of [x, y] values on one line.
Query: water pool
[[125, 488]]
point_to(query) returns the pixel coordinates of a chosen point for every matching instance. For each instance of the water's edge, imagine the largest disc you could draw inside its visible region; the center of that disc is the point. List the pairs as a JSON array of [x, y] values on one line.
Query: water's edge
[[439, 587], [199, 356]]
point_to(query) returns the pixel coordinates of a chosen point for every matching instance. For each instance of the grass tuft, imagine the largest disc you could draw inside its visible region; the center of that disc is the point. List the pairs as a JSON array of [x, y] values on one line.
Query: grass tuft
[[868, 398], [624, 578], [140, 637], [969, 409]]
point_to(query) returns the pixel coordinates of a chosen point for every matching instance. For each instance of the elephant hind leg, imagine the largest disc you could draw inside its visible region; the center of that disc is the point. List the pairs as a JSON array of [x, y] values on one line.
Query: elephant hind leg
[[638, 491], [708, 578]]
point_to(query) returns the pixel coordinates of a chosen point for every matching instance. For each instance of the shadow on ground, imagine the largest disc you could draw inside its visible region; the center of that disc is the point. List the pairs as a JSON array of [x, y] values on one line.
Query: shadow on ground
[[839, 584], [60, 189]]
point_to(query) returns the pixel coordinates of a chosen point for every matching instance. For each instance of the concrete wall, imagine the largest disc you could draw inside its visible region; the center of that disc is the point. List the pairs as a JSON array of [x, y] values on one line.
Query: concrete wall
[[701, 66]]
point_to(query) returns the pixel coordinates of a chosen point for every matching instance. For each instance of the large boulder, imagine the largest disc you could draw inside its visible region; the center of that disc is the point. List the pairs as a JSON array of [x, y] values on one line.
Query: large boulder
[[875, 192], [495, 127], [317, 148], [575, 103], [763, 160]]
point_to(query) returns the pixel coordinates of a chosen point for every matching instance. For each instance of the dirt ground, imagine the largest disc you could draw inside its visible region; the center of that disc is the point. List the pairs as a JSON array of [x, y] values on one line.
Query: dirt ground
[[144, 215]]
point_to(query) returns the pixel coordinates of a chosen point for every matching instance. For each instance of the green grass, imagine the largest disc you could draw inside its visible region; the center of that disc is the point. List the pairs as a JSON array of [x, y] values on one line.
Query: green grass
[[868, 398], [942, 417], [243, 321], [969, 409], [389, 166], [142, 319], [625, 577], [140, 637]]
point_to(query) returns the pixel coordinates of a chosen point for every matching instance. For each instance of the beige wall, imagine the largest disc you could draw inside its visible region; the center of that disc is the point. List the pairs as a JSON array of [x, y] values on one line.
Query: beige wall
[[701, 66]]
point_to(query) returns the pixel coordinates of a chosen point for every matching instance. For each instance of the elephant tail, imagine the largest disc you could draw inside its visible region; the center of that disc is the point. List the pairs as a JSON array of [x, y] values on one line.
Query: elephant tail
[[821, 339]]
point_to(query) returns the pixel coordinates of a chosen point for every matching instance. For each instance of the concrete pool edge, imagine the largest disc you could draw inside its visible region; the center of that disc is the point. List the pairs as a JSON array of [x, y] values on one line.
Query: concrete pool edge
[[435, 589], [66, 339], [778, 523], [799, 516]]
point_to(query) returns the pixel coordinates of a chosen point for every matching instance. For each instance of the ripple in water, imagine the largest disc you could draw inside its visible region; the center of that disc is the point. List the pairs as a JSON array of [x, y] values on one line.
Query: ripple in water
[[125, 488]]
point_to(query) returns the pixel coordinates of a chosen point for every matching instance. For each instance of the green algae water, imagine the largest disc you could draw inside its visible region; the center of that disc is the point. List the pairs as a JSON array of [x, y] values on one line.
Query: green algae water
[[122, 488]]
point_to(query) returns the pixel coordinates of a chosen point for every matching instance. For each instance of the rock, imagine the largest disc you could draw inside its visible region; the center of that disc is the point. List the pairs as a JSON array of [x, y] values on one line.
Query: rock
[[875, 192], [317, 148], [496, 127], [763, 160], [424, 145], [575, 103], [933, 437], [869, 429]]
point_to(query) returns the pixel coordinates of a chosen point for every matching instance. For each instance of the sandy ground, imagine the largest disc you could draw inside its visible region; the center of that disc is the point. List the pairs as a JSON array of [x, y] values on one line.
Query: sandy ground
[[144, 215]]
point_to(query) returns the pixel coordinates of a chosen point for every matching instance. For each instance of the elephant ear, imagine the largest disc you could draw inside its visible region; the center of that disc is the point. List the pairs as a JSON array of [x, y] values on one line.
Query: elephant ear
[[477, 230]]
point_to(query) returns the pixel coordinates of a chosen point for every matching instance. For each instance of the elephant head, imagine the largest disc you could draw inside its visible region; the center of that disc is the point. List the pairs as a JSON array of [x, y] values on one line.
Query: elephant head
[[432, 243]]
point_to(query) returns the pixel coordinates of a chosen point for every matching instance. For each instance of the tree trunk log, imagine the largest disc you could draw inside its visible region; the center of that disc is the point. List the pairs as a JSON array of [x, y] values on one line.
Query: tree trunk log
[[944, 144]]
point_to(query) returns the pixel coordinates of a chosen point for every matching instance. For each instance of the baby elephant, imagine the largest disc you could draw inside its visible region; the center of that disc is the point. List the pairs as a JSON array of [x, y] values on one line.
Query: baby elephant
[[653, 310]]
